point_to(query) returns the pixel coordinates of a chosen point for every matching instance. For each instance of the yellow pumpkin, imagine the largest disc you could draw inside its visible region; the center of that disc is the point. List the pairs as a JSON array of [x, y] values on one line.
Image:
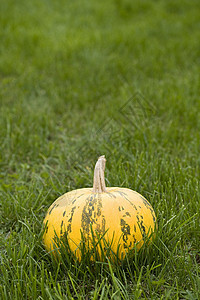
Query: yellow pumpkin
[[122, 215]]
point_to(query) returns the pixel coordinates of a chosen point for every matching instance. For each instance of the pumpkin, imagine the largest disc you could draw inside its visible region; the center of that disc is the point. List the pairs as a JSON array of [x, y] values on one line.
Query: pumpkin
[[122, 216]]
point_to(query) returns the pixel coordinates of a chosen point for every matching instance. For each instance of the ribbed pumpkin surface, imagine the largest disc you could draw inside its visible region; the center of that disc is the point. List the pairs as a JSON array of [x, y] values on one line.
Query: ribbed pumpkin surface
[[126, 215]]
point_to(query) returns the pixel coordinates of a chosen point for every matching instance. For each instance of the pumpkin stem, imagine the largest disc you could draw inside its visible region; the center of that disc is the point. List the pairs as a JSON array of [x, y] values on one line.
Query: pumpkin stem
[[99, 180]]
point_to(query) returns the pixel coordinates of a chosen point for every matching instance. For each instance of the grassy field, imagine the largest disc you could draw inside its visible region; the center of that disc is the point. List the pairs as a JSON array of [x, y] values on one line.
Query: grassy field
[[79, 79]]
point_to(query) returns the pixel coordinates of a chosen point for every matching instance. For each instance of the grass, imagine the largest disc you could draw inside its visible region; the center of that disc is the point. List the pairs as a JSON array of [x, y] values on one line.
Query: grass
[[81, 79]]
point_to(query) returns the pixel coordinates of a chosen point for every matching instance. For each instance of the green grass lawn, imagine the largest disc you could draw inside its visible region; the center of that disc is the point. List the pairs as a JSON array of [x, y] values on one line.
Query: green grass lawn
[[79, 79]]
